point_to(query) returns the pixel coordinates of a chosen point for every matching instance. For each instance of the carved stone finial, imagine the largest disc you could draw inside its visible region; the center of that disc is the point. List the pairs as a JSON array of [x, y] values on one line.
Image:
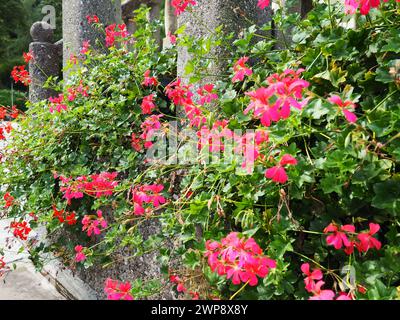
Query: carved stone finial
[[42, 32]]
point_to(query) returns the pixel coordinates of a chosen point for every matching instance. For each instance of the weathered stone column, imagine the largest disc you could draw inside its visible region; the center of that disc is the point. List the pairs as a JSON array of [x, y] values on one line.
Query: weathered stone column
[[76, 28], [234, 15], [46, 62], [170, 23]]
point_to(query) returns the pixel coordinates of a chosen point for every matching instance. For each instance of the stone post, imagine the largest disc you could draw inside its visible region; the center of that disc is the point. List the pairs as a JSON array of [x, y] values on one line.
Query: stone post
[[46, 62], [234, 15], [170, 23], [76, 28]]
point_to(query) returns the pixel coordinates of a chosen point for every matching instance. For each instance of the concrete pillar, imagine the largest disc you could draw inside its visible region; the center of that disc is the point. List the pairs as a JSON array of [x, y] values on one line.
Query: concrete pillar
[[234, 15], [76, 28]]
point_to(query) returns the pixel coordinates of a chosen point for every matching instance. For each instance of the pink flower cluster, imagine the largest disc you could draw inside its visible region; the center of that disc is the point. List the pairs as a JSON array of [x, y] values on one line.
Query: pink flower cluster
[[274, 102], [241, 70], [278, 173], [316, 287], [238, 258], [96, 185], [363, 5], [181, 5], [145, 197], [247, 145], [149, 80], [73, 92], [57, 103], [181, 95], [114, 32], [91, 223], [117, 290], [80, 255], [148, 104], [346, 236], [150, 127]]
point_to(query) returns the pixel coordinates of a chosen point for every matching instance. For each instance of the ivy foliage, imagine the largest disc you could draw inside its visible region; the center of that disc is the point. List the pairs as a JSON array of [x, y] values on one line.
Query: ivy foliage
[[346, 173]]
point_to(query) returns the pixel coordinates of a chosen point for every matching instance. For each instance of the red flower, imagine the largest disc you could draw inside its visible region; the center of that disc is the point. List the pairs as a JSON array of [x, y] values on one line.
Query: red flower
[[285, 91], [71, 218], [339, 238], [181, 5], [57, 103], [28, 56], [238, 258], [149, 81], [148, 104], [2, 263], [113, 32], [21, 229], [9, 200], [344, 106], [241, 70], [206, 94], [14, 112], [311, 277], [58, 214], [19, 74], [92, 19], [80, 256], [136, 143], [116, 290], [92, 225], [172, 38], [262, 4], [278, 173], [367, 241], [320, 294]]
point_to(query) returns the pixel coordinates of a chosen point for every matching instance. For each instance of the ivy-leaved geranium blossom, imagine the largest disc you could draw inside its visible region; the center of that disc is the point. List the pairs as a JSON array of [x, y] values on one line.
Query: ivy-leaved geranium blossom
[[366, 239], [149, 80], [148, 104], [92, 224], [181, 5], [239, 259], [347, 107], [114, 32], [117, 290], [364, 6], [79, 254], [262, 4], [273, 103], [312, 276], [278, 173], [241, 70]]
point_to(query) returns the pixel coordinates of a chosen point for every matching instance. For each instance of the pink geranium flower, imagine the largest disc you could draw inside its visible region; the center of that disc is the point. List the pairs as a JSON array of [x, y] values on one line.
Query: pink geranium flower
[[320, 294], [181, 5], [148, 104], [262, 4], [311, 277], [367, 241], [278, 173], [345, 107], [338, 237], [80, 256], [149, 80], [241, 70], [116, 290]]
